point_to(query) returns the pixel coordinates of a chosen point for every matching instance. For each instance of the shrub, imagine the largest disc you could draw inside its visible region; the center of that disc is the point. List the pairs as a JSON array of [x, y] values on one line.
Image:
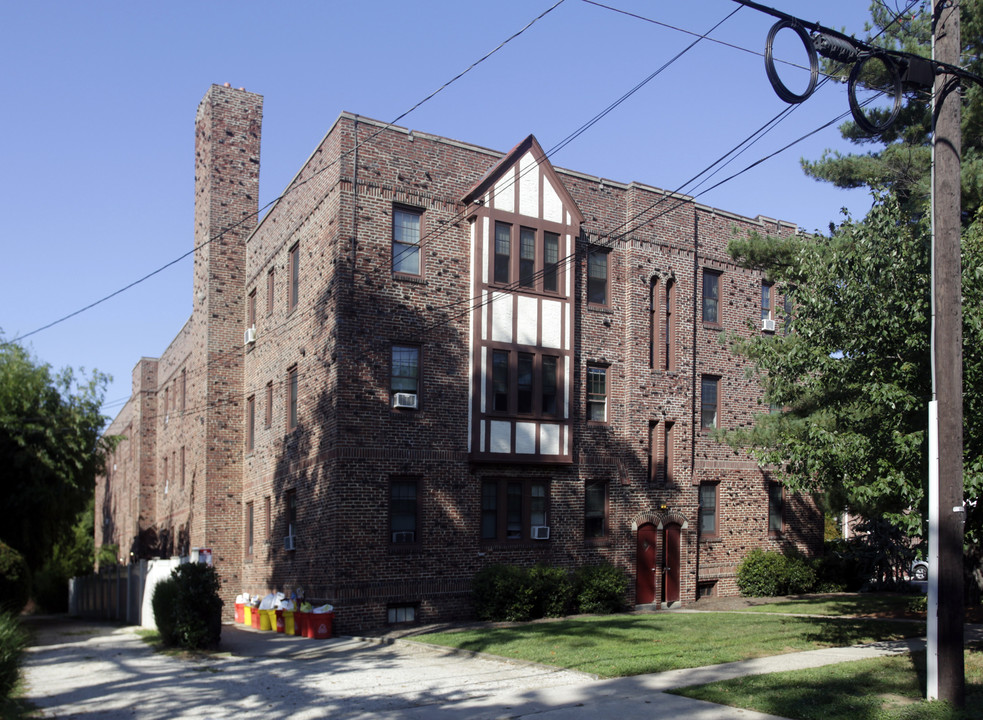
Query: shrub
[[197, 606], [15, 582], [503, 592], [50, 588], [552, 591], [760, 574], [799, 575], [13, 640], [600, 588], [163, 602]]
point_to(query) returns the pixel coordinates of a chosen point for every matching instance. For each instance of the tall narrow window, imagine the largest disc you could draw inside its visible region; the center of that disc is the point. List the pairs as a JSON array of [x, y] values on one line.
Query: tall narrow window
[[406, 241], [251, 309], [405, 382], [167, 404], [513, 511], [597, 394], [711, 297], [708, 508], [500, 380], [653, 451], [182, 467], [291, 512], [489, 510], [166, 477], [249, 529], [595, 510], [765, 301], [269, 404], [655, 330], [270, 288], [267, 518], [292, 388], [549, 385], [503, 251], [403, 512], [776, 508], [250, 422], [551, 261], [537, 504], [670, 338], [709, 403], [668, 450], [527, 257], [597, 277], [523, 384], [184, 389], [293, 290]]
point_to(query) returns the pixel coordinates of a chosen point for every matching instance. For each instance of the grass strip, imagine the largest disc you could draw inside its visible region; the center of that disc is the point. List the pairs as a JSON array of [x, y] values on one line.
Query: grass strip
[[620, 645], [888, 688]]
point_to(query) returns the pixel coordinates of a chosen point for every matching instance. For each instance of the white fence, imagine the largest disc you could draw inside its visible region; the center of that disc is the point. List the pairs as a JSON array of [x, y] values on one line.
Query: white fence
[[121, 592]]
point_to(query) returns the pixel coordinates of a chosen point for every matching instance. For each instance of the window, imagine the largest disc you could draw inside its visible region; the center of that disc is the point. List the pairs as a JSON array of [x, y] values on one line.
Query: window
[[549, 384], [182, 467], [184, 389], [668, 450], [524, 383], [765, 301], [270, 286], [403, 512], [789, 307], [406, 241], [166, 478], [292, 398], [503, 251], [670, 359], [595, 510], [500, 380], [597, 394], [551, 261], [708, 509], [268, 419], [250, 422], [267, 518], [527, 257], [661, 448], [711, 297], [405, 374], [251, 309], [709, 403], [167, 404], [293, 277], [401, 614], [655, 331], [290, 501], [510, 508], [249, 529], [597, 276], [776, 508]]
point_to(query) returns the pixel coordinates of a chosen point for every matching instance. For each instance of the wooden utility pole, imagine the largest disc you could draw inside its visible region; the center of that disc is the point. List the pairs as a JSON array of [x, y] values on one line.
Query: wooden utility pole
[[947, 354]]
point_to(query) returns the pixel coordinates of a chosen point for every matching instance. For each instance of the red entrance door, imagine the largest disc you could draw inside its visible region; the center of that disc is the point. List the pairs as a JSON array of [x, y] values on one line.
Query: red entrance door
[[670, 563], [645, 565]]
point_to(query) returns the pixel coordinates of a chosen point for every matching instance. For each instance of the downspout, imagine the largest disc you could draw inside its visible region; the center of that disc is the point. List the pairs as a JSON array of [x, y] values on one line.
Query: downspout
[[696, 310]]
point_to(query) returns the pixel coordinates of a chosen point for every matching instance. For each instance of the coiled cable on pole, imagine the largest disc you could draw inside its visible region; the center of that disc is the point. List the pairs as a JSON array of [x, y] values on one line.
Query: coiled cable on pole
[[776, 82], [862, 120]]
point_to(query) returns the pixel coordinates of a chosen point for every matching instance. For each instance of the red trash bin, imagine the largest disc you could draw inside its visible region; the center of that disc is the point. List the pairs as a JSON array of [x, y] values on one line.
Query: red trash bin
[[320, 624], [240, 613], [300, 623], [281, 626], [255, 618]]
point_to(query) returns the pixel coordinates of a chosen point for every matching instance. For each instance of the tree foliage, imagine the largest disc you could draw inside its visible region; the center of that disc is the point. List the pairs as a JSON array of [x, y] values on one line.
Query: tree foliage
[[899, 160], [50, 428]]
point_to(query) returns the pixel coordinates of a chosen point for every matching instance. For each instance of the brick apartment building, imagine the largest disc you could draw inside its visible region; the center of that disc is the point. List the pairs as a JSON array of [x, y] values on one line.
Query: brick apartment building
[[428, 357]]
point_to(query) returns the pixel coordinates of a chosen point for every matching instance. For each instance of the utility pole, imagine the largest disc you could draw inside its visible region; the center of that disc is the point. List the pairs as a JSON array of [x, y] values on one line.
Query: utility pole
[[947, 663]]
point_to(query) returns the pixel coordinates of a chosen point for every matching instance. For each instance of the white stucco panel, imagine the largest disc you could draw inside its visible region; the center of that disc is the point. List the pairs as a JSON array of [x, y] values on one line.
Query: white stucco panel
[[528, 186], [501, 436], [552, 323], [525, 438], [528, 320], [552, 207], [549, 439], [505, 193], [501, 310], [483, 259]]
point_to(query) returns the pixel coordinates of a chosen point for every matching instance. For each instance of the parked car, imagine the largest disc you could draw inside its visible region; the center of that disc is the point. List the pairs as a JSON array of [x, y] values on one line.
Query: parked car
[[919, 570]]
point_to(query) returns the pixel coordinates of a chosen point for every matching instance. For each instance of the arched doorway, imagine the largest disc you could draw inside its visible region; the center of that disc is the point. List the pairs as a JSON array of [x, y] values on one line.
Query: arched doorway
[[646, 564], [670, 563]]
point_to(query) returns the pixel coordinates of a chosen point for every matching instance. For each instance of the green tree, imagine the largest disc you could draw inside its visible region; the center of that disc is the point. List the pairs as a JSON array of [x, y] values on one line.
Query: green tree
[[854, 373], [899, 160], [50, 449]]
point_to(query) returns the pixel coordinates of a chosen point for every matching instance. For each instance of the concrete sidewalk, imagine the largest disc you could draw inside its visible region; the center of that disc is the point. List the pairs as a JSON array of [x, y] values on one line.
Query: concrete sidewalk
[[89, 670]]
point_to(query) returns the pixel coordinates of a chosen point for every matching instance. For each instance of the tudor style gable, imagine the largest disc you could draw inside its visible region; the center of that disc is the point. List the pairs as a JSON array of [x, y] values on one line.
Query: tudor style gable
[[523, 237]]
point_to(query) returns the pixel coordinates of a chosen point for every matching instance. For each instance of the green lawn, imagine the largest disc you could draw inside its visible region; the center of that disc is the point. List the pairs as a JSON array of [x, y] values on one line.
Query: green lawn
[[618, 645], [870, 604], [889, 688]]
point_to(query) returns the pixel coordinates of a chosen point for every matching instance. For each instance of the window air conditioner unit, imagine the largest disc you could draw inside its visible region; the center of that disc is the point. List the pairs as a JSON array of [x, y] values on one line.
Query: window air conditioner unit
[[540, 532], [404, 536], [768, 325], [290, 542], [404, 400], [249, 336]]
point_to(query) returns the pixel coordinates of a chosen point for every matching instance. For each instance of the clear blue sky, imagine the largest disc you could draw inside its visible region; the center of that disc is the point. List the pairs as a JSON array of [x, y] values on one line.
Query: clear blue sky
[[97, 142]]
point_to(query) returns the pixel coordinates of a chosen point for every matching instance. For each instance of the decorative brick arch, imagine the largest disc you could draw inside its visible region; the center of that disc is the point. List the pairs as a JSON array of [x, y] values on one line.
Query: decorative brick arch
[[659, 519]]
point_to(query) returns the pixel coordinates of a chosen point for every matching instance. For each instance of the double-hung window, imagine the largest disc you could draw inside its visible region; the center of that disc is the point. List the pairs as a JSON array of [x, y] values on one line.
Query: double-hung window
[[711, 297], [776, 508], [407, 258], [527, 257], [293, 277], [766, 301], [503, 252], [597, 394], [595, 510], [511, 508], [403, 515], [524, 383], [250, 423], [708, 509], [597, 276], [292, 389], [405, 382], [551, 261], [710, 402]]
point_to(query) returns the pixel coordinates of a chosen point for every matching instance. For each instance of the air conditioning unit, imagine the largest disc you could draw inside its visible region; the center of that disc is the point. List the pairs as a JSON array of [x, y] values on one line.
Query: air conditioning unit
[[768, 325], [290, 542], [404, 536], [540, 532], [404, 400], [249, 336]]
